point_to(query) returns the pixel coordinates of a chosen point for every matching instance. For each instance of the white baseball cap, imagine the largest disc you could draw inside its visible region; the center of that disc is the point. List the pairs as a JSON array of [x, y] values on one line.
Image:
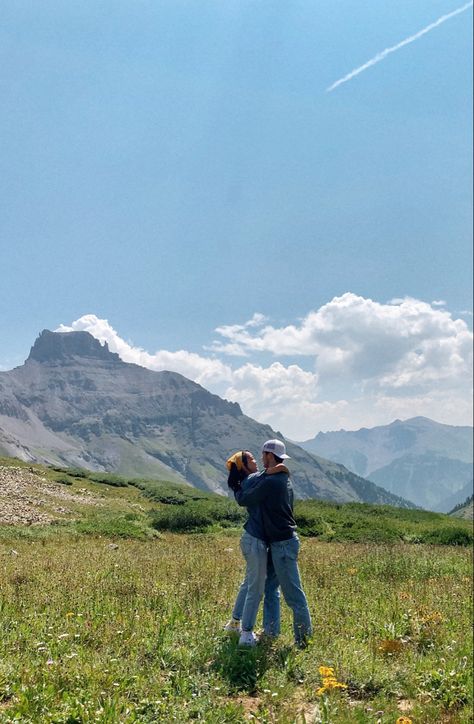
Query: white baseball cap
[[277, 447]]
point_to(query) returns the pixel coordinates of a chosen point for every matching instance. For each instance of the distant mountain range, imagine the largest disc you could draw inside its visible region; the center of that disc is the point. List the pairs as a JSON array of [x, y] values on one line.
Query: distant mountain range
[[422, 460], [76, 403]]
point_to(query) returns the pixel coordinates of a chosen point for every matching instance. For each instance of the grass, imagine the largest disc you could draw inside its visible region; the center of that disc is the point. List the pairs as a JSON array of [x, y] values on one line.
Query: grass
[[111, 616], [131, 631]]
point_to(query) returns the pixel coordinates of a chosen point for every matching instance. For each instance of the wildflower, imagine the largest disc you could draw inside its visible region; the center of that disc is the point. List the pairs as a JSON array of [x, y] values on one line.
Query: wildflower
[[326, 671], [329, 680], [69, 614], [333, 683], [403, 720], [352, 571]]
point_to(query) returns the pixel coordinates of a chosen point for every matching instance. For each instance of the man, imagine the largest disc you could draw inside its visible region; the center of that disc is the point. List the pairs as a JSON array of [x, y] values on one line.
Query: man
[[274, 494]]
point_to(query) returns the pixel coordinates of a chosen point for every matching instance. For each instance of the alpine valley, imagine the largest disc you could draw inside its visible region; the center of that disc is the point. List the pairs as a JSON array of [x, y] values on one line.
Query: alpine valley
[[75, 403]]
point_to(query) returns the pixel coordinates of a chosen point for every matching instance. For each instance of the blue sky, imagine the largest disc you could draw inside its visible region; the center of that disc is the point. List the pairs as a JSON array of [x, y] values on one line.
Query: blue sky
[[177, 167]]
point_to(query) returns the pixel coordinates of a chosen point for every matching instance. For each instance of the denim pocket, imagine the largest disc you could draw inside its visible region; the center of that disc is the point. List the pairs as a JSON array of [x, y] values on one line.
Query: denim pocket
[[248, 544], [291, 548]]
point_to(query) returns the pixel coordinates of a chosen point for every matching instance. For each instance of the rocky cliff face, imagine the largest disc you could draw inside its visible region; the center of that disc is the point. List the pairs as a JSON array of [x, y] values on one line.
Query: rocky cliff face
[[74, 402], [54, 348]]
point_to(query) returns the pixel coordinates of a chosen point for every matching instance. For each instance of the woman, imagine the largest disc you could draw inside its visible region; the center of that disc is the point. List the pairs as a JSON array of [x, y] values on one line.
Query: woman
[[260, 575]]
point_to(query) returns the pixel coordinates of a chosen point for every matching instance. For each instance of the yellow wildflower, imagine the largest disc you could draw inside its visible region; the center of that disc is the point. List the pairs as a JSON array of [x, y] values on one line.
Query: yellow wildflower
[[326, 671], [352, 571], [404, 720], [333, 683], [329, 680]]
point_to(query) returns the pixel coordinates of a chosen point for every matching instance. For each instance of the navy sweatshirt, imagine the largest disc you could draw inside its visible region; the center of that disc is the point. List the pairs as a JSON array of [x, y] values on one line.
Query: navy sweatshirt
[[274, 495]]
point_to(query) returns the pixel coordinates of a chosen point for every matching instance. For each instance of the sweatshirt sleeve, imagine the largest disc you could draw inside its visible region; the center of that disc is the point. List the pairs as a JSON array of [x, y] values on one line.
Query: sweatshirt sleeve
[[254, 494]]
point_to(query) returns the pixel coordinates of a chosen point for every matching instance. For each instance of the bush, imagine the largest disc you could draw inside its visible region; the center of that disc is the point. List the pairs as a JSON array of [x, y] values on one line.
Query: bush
[[64, 480], [452, 536], [108, 479], [74, 472], [198, 516], [184, 520]]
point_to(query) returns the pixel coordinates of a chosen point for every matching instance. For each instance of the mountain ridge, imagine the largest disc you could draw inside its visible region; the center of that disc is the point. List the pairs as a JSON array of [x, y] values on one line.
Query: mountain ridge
[[426, 461], [74, 402]]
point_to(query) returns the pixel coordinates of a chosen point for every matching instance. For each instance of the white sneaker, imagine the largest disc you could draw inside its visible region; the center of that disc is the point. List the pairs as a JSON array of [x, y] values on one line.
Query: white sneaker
[[233, 626], [248, 638]]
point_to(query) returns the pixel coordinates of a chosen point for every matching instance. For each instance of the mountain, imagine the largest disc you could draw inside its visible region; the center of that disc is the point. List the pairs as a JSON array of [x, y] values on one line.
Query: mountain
[[76, 403], [422, 460], [465, 509]]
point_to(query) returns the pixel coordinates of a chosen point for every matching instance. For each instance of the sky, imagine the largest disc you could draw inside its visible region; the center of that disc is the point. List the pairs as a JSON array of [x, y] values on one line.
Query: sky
[[273, 199]]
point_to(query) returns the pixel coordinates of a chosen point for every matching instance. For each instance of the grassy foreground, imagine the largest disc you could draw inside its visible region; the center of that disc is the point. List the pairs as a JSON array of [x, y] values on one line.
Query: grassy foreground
[[93, 630]]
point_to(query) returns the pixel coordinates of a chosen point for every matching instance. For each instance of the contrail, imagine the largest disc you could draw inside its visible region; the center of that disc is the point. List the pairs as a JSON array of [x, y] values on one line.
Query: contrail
[[381, 56]]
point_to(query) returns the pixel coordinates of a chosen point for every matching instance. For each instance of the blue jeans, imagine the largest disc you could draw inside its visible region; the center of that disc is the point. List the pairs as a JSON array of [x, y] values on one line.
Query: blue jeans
[[285, 562], [260, 579]]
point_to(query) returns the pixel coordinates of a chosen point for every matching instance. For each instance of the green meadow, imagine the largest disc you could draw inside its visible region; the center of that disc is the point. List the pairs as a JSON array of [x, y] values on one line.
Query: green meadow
[[117, 615]]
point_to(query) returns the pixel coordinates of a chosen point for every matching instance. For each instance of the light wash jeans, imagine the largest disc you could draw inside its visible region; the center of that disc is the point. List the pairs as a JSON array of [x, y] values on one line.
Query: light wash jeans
[[285, 562], [260, 579]]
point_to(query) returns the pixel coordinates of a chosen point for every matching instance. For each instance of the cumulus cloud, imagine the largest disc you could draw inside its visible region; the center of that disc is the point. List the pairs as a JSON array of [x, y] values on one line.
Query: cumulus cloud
[[267, 392], [364, 363], [404, 342]]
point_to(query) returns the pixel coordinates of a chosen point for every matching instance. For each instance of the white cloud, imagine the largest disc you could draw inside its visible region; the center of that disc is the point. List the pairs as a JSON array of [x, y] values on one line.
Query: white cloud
[[403, 342], [370, 363], [203, 370], [269, 393]]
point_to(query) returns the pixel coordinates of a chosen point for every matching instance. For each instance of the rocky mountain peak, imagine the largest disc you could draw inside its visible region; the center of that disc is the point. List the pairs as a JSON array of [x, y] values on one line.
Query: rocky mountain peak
[[58, 346]]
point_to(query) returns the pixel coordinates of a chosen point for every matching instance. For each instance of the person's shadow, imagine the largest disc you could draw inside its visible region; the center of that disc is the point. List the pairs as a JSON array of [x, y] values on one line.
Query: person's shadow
[[244, 666]]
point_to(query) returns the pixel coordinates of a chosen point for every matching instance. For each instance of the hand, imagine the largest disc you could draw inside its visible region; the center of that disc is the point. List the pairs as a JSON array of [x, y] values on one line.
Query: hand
[[279, 468]]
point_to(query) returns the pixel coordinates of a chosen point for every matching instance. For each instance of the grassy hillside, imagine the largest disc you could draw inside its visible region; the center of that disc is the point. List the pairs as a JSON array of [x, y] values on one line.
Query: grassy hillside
[[134, 507]]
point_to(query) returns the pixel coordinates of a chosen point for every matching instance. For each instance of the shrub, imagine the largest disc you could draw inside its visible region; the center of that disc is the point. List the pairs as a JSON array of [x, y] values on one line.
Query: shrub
[[183, 520], [198, 516], [452, 536], [64, 480], [108, 479]]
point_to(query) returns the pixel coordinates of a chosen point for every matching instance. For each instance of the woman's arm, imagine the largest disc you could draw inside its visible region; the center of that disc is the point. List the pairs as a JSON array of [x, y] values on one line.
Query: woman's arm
[[279, 468]]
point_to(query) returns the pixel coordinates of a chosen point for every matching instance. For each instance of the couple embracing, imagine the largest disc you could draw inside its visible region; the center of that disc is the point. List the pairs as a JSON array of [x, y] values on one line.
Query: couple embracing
[[269, 544]]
